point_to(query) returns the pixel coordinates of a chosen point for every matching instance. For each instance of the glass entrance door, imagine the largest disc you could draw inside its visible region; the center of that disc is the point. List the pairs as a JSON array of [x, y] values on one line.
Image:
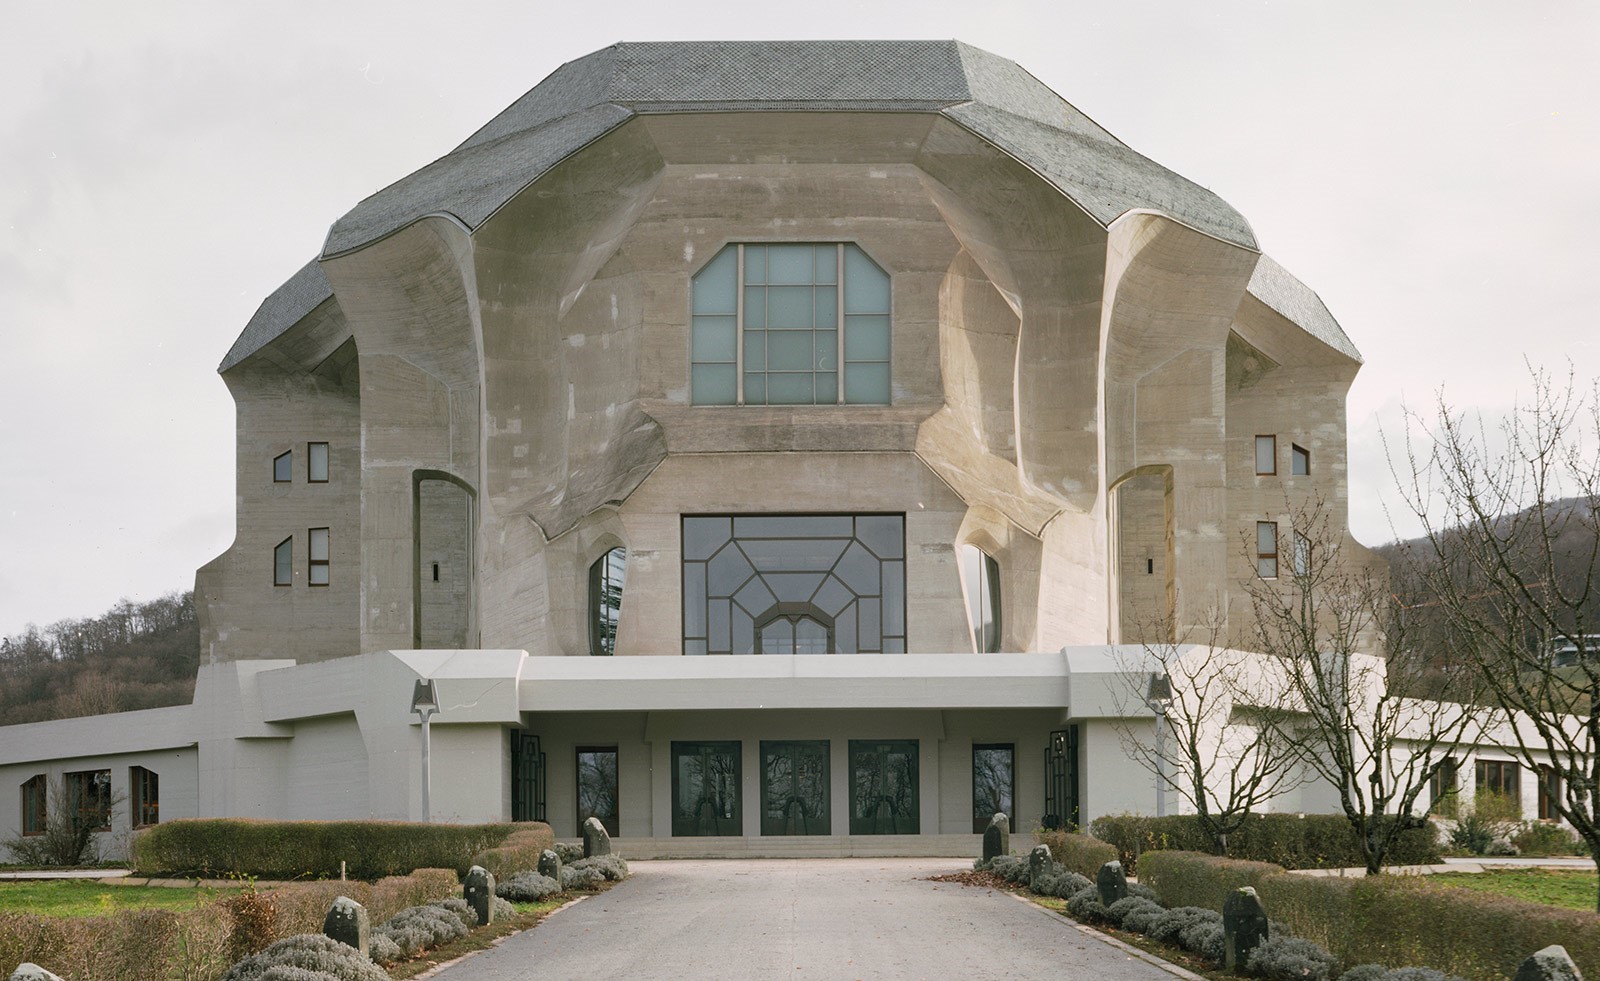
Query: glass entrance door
[[794, 788], [883, 787]]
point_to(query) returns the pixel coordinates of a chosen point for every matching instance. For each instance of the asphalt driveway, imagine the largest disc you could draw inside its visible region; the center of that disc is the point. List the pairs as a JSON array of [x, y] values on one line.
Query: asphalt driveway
[[813, 920]]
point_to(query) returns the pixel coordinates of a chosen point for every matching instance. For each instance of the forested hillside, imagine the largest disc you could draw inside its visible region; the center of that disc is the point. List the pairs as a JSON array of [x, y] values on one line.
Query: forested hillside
[[134, 656]]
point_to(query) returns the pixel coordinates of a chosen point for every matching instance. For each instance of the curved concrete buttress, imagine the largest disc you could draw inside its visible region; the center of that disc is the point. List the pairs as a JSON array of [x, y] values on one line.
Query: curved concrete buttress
[[411, 301], [1171, 295], [1018, 555], [562, 326], [1047, 258]]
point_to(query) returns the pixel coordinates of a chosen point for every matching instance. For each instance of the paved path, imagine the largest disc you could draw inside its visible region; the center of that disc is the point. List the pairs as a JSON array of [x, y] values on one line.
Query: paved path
[[811, 920]]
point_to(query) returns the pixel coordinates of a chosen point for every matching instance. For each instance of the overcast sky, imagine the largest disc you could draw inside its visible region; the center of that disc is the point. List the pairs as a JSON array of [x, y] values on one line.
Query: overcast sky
[[1432, 169]]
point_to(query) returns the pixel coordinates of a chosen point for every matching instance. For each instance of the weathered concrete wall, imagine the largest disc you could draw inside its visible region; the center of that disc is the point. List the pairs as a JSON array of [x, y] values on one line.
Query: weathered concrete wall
[[445, 569], [1143, 540]]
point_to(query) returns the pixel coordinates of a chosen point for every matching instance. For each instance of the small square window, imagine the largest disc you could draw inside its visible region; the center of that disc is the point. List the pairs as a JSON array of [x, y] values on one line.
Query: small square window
[[317, 564], [283, 563], [1267, 549], [283, 467], [1299, 461], [1266, 455], [317, 463]]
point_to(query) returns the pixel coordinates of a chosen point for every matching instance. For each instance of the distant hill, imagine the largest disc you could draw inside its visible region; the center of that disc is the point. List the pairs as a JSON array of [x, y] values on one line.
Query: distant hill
[[134, 656]]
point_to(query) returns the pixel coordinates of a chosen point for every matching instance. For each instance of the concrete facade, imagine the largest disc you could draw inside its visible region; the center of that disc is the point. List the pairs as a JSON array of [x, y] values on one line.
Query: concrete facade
[[497, 353]]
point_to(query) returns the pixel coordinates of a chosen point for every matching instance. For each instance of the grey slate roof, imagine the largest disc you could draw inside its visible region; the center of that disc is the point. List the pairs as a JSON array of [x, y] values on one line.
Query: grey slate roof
[[1299, 304], [585, 99], [283, 308]]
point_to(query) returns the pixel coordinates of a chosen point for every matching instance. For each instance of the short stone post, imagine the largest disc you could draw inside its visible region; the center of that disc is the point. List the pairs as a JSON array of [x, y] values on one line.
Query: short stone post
[[1111, 882], [32, 972], [595, 839], [478, 891], [550, 864], [997, 837], [347, 923], [1550, 964], [1244, 927], [1040, 864]]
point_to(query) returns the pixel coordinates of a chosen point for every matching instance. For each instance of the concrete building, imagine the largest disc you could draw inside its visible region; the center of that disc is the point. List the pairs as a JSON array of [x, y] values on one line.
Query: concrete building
[[874, 372]]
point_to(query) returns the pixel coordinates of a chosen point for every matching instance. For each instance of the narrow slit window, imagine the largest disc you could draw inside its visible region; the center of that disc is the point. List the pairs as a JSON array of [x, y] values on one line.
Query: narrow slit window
[[1266, 455], [436, 572], [317, 563], [146, 785], [1267, 549], [317, 463], [1302, 555], [1299, 461], [34, 791], [605, 600], [283, 467], [283, 563], [980, 577]]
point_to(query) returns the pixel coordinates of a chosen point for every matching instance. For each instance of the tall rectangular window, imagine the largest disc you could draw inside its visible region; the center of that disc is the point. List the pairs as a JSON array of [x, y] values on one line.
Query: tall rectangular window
[[283, 467], [1267, 549], [1444, 788], [790, 324], [317, 463], [1549, 792], [146, 786], [1266, 455], [1302, 555], [705, 790], [34, 795], [89, 797], [1499, 777], [1299, 461], [884, 787], [283, 563], [994, 783], [597, 786], [794, 788], [317, 564]]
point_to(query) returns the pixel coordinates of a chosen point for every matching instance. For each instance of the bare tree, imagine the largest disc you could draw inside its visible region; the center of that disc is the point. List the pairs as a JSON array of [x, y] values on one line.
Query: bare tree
[[1218, 740], [1509, 569], [1365, 708]]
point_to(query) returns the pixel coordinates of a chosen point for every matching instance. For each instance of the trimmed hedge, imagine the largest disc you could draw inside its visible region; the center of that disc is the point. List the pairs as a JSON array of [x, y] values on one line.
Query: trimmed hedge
[[314, 849], [201, 942], [1193, 879], [1394, 920], [1079, 853], [1311, 841]]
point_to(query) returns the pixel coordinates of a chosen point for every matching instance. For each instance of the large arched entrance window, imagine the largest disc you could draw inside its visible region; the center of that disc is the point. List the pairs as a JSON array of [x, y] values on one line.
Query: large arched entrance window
[[794, 628], [605, 600]]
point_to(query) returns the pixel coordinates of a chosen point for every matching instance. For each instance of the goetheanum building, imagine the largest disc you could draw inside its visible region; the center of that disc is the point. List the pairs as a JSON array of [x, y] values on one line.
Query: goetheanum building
[[763, 446]]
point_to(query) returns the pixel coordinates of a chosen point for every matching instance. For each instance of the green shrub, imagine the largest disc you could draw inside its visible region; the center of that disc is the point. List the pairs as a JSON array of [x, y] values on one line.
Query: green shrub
[[1540, 838], [1078, 852], [1192, 879], [1316, 908], [1294, 841], [314, 849]]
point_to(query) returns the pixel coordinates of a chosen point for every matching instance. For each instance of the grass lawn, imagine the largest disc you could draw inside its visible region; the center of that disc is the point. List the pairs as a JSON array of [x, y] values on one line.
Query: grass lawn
[[1552, 887], [67, 897]]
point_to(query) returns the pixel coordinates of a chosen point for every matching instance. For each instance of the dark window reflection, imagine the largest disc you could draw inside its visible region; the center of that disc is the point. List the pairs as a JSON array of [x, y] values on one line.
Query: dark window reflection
[[883, 787], [605, 600], [993, 784], [705, 789], [794, 788], [794, 584], [597, 786]]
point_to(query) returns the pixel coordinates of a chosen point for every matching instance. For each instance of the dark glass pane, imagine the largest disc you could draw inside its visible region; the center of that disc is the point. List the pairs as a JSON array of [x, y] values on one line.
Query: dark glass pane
[[884, 788], [705, 789], [993, 784], [283, 467], [793, 526], [715, 285], [794, 555], [597, 786], [794, 788], [703, 536], [605, 600], [885, 534], [727, 571]]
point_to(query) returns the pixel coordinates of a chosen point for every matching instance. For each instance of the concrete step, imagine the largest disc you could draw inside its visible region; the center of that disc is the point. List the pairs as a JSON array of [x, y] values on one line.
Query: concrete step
[[804, 846]]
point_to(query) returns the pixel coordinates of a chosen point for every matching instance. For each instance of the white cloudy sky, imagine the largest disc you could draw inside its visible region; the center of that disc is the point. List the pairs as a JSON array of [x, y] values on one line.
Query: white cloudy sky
[[1432, 168]]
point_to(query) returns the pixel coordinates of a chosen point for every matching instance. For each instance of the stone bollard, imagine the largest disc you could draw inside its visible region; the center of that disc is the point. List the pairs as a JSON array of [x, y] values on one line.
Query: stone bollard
[[1244, 927], [1111, 882], [1040, 864], [32, 972], [347, 923], [595, 839], [997, 838], [1550, 964], [478, 891], [550, 864]]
